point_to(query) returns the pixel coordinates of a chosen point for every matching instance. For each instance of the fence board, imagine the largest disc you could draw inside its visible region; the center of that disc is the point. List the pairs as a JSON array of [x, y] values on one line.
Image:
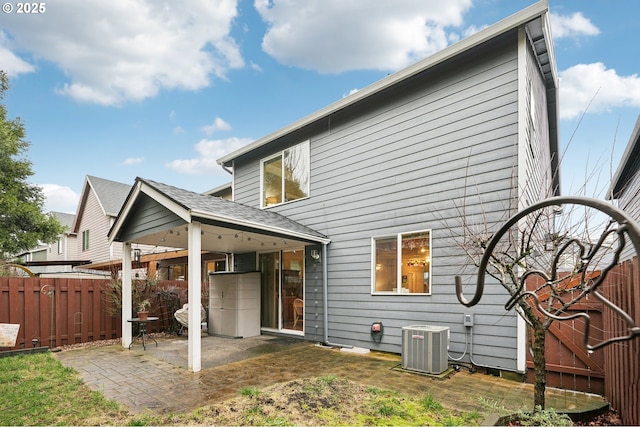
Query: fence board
[[62, 311], [622, 359]]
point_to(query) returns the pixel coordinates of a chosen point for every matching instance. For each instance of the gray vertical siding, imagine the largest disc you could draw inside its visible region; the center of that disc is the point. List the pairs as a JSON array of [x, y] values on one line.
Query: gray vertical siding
[[409, 160]]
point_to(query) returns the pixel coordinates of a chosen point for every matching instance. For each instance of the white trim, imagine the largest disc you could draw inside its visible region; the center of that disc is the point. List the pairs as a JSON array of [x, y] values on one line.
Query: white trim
[[124, 212], [195, 296], [127, 305], [159, 197], [523, 148], [281, 154], [398, 237]]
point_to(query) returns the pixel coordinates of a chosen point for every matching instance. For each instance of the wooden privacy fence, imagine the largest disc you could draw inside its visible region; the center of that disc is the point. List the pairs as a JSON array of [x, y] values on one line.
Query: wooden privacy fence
[[58, 312], [622, 359]]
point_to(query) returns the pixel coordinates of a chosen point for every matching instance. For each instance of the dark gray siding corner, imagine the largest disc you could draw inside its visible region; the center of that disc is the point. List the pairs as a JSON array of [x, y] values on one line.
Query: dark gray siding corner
[[313, 297]]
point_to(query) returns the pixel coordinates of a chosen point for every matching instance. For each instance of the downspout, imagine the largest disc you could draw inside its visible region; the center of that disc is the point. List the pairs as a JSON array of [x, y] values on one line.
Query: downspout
[[230, 172], [325, 300]]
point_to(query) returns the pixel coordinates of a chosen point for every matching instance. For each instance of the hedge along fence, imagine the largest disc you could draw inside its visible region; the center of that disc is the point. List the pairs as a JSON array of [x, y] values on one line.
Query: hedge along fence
[[58, 312]]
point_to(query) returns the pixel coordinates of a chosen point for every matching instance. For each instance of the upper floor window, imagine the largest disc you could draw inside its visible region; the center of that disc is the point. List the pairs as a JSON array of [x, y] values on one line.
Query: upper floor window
[[85, 240], [60, 247], [402, 263], [285, 176]]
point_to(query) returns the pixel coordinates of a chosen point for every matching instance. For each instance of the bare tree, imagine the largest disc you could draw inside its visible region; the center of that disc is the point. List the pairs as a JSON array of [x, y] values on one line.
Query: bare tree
[[549, 257]]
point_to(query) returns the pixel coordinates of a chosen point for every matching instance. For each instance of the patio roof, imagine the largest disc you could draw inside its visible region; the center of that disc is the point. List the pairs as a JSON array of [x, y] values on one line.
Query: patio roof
[[156, 214]]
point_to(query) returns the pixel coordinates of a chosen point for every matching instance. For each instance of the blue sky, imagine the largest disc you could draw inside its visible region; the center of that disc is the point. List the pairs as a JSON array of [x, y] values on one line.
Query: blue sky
[[161, 89]]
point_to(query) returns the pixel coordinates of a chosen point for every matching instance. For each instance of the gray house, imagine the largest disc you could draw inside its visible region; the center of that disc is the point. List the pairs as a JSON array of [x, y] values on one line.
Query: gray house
[[357, 210], [625, 187]]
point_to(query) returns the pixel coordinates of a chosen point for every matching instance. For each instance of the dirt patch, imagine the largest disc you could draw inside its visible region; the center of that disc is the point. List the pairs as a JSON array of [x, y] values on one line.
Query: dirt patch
[[325, 400]]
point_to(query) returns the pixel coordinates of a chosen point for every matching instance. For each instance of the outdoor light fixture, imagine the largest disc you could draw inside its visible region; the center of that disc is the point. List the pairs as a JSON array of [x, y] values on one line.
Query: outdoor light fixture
[[315, 254], [136, 255]]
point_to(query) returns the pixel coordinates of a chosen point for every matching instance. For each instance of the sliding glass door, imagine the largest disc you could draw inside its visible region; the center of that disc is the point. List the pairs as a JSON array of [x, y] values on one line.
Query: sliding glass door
[[282, 290]]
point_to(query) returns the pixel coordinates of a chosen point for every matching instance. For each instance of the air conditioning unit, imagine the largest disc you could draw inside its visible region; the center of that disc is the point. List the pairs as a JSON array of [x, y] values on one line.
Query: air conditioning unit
[[424, 348]]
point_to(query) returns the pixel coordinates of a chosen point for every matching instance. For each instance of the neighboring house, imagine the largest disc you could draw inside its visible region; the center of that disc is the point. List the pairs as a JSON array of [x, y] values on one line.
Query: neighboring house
[[355, 209], [64, 249], [57, 258], [625, 187], [100, 202]]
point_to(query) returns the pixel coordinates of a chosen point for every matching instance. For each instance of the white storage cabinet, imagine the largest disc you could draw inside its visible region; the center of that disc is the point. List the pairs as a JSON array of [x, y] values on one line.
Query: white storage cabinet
[[234, 304]]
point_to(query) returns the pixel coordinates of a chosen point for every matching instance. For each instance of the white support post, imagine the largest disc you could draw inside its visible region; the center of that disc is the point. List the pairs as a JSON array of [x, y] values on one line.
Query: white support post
[[126, 294], [195, 293]]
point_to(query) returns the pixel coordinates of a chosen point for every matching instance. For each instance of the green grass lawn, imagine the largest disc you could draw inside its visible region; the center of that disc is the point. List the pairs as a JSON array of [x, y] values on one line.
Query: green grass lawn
[[37, 389]]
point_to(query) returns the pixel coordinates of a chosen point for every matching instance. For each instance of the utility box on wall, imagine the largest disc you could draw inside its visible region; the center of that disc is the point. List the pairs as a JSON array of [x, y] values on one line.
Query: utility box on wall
[[424, 348]]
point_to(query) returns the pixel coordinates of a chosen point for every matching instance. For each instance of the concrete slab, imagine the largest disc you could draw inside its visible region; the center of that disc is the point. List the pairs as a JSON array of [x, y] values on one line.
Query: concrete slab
[[157, 380]]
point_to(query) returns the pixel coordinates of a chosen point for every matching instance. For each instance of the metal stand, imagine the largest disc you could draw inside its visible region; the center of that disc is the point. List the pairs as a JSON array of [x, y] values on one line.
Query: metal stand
[[142, 331]]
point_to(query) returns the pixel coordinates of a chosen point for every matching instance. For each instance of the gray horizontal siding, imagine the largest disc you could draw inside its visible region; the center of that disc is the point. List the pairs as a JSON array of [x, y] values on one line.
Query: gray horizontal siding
[[630, 202], [407, 162]]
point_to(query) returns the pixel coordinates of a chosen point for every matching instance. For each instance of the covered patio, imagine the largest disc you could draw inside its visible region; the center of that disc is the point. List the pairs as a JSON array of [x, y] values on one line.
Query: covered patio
[[165, 216]]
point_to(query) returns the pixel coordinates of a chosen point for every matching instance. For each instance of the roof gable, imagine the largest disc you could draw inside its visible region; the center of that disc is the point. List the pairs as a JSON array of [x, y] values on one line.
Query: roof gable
[[111, 195], [210, 210]]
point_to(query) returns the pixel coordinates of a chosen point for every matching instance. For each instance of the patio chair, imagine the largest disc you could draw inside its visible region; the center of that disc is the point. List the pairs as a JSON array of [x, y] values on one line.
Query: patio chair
[[298, 310], [182, 316]]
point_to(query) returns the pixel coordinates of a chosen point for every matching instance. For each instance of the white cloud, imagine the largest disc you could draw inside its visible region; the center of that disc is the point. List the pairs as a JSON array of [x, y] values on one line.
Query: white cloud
[[11, 63], [209, 151], [133, 161], [574, 26], [255, 67], [122, 50], [178, 130], [604, 88], [217, 125], [393, 35], [59, 198]]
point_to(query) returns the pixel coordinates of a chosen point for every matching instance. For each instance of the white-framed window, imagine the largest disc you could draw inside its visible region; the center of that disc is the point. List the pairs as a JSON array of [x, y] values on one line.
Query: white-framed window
[[85, 240], [285, 176], [401, 263], [60, 246]]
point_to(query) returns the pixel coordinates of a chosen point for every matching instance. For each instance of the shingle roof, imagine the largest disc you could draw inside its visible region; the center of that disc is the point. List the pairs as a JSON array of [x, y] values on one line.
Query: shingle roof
[[204, 206], [111, 194], [65, 219]]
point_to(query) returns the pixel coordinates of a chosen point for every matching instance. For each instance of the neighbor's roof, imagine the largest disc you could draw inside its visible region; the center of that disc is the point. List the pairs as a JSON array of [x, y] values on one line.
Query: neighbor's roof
[[211, 209], [66, 219], [110, 194], [629, 164], [541, 43]]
